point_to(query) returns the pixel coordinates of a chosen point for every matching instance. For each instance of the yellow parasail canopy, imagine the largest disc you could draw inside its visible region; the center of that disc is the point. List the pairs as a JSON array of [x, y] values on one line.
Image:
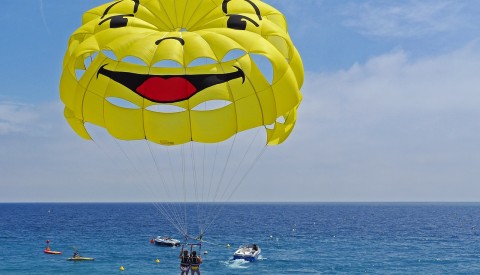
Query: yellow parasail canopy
[[152, 69]]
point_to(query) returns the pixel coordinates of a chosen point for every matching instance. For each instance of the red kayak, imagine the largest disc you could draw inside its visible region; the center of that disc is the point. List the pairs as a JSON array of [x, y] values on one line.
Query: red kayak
[[51, 252]]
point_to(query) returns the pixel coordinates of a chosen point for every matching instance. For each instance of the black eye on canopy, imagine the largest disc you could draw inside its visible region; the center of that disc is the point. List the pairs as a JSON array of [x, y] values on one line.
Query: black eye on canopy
[[238, 22], [117, 21]]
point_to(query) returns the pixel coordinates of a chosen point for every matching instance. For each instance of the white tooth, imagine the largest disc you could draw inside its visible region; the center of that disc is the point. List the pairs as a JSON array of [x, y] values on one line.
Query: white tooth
[[167, 64], [233, 55], [134, 60], [211, 105], [201, 61], [120, 102], [165, 108]]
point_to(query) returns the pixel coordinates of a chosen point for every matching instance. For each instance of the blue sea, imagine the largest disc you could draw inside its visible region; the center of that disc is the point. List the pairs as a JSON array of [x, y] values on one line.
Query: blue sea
[[303, 238]]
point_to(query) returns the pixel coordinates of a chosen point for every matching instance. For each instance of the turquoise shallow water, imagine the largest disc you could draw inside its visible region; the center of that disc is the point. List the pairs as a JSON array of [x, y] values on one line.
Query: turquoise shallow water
[[295, 238]]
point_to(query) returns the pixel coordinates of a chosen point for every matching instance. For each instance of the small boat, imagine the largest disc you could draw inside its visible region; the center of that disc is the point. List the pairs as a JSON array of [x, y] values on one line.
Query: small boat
[[166, 241], [48, 251], [79, 258], [247, 252]]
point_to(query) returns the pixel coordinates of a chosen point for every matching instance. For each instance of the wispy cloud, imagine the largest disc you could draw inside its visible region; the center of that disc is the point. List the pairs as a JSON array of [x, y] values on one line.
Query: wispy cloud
[[406, 18], [17, 117], [42, 14], [393, 128]]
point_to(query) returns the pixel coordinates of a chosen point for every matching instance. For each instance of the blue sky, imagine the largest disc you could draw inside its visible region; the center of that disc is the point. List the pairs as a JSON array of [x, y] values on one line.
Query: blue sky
[[390, 110]]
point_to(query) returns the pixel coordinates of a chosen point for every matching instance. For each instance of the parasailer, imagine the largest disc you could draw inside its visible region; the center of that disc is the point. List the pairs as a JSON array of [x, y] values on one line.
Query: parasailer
[[184, 77], [195, 262], [184, 261]]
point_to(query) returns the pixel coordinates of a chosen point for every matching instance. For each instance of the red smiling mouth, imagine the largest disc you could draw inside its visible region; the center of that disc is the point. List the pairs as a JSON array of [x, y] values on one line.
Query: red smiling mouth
[[168, 88]]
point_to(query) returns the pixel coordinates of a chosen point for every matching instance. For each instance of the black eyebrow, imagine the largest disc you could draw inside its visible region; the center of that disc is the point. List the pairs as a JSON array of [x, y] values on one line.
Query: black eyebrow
[[174, 38], [257, 10], [135, 8]]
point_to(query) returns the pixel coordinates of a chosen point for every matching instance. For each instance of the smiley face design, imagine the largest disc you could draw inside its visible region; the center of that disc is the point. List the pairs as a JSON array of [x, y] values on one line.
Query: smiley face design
[[150, 69]]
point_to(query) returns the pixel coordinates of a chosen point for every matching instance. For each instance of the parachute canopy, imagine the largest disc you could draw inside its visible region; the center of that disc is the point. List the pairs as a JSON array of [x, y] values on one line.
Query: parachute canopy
[[175, 71]]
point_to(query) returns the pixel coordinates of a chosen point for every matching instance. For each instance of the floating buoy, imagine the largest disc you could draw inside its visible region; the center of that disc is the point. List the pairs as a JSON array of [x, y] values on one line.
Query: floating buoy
[[157, 261], [122, 268], [152, 241], [205, 252], [228, 245]]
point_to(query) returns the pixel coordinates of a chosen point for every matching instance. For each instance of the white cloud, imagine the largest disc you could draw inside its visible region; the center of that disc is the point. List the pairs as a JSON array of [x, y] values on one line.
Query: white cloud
[[392, 83], [22, 118], [391, 129], [407, 18], [15, 117]]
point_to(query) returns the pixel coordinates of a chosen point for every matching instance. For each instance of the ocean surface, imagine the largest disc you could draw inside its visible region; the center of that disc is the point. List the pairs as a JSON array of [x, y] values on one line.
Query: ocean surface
[[324, 238]]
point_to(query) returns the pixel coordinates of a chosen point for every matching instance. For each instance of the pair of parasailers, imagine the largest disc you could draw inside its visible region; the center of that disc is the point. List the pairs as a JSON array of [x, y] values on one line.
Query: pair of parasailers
[[189, 262]]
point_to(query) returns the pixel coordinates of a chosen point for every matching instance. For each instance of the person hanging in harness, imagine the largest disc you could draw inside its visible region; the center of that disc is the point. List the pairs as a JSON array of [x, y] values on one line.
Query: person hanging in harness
[[184, 262], [195, 262]]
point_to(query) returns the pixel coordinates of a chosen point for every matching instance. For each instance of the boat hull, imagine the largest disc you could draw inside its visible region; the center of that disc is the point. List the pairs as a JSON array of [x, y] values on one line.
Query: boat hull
[[80, 259], [52, 252], [166, 242], [247, 254], [248, 259]]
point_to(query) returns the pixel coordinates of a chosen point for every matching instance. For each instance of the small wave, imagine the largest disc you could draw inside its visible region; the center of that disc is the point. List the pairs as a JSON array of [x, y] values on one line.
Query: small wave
[[236, 264]]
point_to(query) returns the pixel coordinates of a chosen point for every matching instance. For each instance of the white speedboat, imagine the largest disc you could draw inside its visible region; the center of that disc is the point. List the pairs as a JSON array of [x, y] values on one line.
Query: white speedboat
[[249, 252], [166, 241]]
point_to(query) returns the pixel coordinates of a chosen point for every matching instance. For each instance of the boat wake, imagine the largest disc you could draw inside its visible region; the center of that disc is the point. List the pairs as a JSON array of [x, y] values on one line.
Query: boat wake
[[237, 264]]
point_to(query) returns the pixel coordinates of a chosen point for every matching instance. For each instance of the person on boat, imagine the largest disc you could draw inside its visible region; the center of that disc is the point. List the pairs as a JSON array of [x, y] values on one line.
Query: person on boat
[[76, 254], [255, 248], [184, 262], [48, 246], [195, 262]]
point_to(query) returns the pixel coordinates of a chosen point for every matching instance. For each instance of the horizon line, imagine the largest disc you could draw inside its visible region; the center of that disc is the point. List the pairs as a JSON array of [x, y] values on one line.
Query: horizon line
[[242, 202]]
